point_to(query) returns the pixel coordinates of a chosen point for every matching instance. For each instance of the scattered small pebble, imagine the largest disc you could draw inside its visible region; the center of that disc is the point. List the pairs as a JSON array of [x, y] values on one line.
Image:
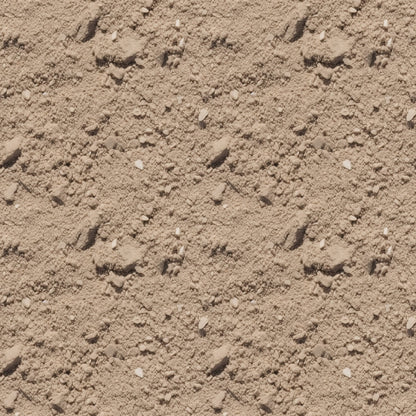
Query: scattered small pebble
[[114, 244], [139, 372], [411, 322], [9, 192], [234, 302], [10, 359], [9, 400], [234, 95], [139, 164], [114, 36], [347, 372], [347, 164], [202, 115], [202, 323], [26, 302], [26, 95], [10, 151], [410, 114], [217, 193], [219, 359], [217, 401], [219, 151]]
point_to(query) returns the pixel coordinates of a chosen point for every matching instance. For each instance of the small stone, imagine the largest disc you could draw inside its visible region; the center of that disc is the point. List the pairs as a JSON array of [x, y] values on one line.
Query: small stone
[[87, 23], [26, 95], [220, 357], [347, 164], [411, 114], [217, 401], [295, 231], [139, 372], [202, 115], [411, 323], [202, 323], [110, 350], [10, 359], [10, 152], [9, 192], [300, 337], [318, 350], [92, 337], [117, 281], [322, 244], [91, 129], [325, 281], [234, 95], [217, 193], [295, 23], [347, 372], [58, 403], [26, 303], [114, 244], [219, 151], [234, 302], [139, 164], [58, 194], [114, 36], [266, 194], [9, 400], [266, 402], [87, 231], [322, 36]]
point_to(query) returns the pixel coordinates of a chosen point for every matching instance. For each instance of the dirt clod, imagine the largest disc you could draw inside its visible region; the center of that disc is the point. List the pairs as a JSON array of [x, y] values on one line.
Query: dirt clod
[[219, 358], [9, 400], [10, 359], [217, 400], [10, 151]]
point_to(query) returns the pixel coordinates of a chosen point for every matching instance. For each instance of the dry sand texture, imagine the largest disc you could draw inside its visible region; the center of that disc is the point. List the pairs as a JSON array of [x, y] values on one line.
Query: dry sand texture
[[207, 207]]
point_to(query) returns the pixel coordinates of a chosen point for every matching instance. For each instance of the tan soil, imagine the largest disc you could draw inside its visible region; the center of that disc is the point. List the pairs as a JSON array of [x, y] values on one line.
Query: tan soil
[[207, 207]]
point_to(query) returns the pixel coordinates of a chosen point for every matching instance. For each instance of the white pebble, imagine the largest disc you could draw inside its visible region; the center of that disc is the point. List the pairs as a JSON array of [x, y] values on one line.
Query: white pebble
[[347, 372], [411, 322], [26, 95], [322, 36], [203, 114], [386, 23], [114, 244], [26, 302], [139, 164], [385, 231], [234, 95], [411, 114], [347, 164], [139, 372], [114, 36], [234, 303], [178, 23], [178, 231], [202, 323], [390, 43], [322, 244]]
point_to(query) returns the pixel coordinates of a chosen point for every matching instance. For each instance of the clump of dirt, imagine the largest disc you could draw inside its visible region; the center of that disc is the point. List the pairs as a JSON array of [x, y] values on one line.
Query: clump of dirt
[[207, 207]]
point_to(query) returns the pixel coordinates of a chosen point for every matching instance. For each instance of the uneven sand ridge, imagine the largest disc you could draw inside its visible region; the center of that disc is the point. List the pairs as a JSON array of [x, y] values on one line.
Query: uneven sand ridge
[[207, 207]]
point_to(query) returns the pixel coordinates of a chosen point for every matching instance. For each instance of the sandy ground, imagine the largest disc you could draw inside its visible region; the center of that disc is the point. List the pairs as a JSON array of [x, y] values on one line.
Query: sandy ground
[[207, 207]]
